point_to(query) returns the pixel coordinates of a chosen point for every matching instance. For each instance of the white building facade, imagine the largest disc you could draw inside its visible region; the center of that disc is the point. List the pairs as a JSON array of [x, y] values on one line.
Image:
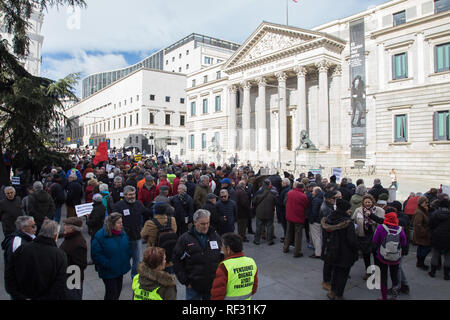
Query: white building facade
[[284, 79]]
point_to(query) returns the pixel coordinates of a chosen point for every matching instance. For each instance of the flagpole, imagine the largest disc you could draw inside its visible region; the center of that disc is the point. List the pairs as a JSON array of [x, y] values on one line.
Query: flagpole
[[287, 13]]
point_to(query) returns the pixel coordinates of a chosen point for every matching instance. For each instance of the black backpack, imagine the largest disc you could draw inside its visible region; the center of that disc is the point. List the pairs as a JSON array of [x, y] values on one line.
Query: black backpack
[[166, 237]]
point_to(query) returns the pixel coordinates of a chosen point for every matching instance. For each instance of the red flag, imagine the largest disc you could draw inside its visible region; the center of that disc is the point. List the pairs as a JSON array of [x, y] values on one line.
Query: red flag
[[102, 153], [295, 1]]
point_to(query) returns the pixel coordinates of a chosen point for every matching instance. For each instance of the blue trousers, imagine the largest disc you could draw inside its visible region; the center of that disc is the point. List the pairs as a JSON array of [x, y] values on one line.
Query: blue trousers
[[136, 248], [191, 294]]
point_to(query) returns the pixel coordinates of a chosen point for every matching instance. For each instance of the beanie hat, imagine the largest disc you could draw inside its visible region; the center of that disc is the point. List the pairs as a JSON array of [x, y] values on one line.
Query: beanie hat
[[342, 205], [74, 221], [226, 180], [391, 219]]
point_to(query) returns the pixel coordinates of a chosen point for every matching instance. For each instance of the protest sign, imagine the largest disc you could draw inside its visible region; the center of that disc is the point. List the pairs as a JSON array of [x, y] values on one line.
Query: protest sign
[[15, 181], [84, 209]]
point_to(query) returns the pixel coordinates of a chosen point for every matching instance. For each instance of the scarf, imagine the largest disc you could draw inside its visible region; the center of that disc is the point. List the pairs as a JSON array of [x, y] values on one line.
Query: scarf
[[368, 223]]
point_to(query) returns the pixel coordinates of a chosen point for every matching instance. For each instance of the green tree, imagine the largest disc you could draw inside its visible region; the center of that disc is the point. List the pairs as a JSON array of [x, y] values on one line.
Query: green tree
[[29, 105]]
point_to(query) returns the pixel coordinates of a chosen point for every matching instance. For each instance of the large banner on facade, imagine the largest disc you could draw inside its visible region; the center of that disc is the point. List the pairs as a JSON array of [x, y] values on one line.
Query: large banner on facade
[[358, 89]]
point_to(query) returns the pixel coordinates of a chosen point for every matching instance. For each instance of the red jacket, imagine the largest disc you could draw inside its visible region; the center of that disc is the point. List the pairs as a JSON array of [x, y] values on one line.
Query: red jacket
[[296, 205], [219, 286], [146, 195], [164, 182], [175, 184]]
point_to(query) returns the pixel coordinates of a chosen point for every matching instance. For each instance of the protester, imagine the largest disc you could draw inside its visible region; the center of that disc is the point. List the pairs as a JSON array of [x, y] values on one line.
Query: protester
[[40, 205], [422, 231], [243, 209], [183, 206], [111, 253], [74, 195], [37, 270], [75, 247], [314, 221], [152, 282], [210, 205], [201, 192], [365, 218], [377, 189], [10, 210], [281, 205], [233, 270], [296, 205], [340, 247], [25, 232], [440, 238], [147, 193], [117, 189], [58, 195], [97, 216], [356, 199], [197, 256]]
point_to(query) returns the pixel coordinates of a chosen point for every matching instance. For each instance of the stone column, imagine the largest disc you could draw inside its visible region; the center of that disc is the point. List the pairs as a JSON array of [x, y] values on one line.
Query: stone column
[[261, 126], [301, 120], [246, 116], [282, 112], [335, 109], [232, 119], [323, 104]]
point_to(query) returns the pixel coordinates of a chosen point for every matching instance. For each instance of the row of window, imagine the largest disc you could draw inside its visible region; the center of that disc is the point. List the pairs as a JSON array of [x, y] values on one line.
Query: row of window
[[152, 98], [439, 6], [441, 127], [441, 61], [192, 140], [179, 57], [205, 78], [217, 106], [167, 119]]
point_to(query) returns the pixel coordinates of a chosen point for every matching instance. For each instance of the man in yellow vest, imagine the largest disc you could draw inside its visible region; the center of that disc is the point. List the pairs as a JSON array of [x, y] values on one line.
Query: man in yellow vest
[[236, 276]]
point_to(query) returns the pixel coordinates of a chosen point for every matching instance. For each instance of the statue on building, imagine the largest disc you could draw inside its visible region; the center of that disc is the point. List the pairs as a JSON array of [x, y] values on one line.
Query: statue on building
[[214, 147], [305, 142]]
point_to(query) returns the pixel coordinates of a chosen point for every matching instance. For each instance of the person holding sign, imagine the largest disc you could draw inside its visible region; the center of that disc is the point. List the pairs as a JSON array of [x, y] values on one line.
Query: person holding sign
[[237, 275], [197, 256]]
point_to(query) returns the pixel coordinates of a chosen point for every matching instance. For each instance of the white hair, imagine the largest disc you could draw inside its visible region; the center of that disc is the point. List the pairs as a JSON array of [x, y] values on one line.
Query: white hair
[[201, 213], [38, 186], [103, 187]]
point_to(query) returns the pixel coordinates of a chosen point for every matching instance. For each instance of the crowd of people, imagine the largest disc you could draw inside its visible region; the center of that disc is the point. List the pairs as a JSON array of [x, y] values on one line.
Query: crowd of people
[[194, 219]]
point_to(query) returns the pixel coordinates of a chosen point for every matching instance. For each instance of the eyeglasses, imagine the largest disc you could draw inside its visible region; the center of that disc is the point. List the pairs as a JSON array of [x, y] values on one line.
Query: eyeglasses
[[223, 197]]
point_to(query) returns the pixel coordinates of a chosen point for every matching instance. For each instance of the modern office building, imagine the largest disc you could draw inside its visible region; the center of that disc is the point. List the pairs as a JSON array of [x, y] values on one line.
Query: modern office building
[[371, 89]]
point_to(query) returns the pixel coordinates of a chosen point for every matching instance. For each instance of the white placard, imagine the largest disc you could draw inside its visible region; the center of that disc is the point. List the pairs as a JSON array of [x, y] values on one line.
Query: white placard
[[126, 212], [15, 181], [109, 167], [446, 189], [214, 245], [84, 209], [337, 172]]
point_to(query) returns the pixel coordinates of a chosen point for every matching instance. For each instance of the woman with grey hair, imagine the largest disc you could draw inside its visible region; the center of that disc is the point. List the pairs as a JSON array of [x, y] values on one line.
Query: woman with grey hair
[[356, 200], [111, 254]]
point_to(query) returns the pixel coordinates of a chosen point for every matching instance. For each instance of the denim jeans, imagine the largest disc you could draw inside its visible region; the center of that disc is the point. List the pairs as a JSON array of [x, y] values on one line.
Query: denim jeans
[[191, 294], [57, 214], [423, 251], [269, 227], [136, 248]]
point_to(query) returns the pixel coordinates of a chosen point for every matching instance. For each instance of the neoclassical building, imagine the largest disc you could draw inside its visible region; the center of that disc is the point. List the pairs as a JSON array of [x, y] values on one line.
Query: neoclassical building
[[372, 88]]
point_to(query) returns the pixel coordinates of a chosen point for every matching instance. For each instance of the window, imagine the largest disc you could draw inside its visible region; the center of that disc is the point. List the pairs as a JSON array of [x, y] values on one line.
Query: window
[[203, 140], [120, 104], [119, 122], [179, 69], [217, 137], [131, 140], [137, 118], [182, 118], [187, 66], [187, 52], [179, 56], [193, 108], [208, 60], [441, 125], [400, 66], [167, 99], [191, 141], [131, 120], [109, 125], [131, 100], [205, 106], [182, 100], [442, 57], [124, 122], [401, 128], [114, 124], [124, 102], [152, 97], [137, 139], [137, 98], [441, 5], [399, 18], [173, 59], [219, 61], [167, 62], [193, 82], [152, 118], [217, 104], [218, 75], [205, 79], [167, 119]]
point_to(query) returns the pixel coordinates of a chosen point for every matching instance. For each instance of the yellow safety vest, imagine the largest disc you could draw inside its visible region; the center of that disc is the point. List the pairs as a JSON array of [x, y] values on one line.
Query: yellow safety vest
[[141, 294], [241, 276]]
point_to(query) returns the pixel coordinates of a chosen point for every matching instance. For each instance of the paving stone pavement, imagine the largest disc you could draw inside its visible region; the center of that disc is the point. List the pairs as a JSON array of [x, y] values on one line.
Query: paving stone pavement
[[282, 277]]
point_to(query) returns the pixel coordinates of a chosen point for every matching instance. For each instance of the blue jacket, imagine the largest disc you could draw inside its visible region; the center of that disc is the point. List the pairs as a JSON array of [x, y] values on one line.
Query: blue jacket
[[111, 255]]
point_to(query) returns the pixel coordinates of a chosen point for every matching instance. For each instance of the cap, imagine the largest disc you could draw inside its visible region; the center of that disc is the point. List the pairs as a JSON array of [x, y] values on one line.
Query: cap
[[226, 180], [211, 196], [74, 221]]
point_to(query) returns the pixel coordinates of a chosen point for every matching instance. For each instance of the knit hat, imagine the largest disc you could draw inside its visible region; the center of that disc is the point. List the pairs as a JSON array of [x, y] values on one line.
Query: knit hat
[[74, 221], [226, 180], [391, 219]]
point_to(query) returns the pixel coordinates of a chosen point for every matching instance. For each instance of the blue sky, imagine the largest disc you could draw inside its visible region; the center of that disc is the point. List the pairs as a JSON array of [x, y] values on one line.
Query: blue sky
[[112, 34]]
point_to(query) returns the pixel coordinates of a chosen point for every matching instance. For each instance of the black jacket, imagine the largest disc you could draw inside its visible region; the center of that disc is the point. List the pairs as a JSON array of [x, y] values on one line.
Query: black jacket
[[75, 247], [190, 188], [316, 203], [74, 194], [9, 211], [115, 194], [194, 265], [41, 205], [57, 193], [376, 190], [440, 229], [347, 243], [227, 209], [8, 242], [281, 203], [346, 194], [215, 219], [96, 218], [37, 271], [184, 207], [133, 219]]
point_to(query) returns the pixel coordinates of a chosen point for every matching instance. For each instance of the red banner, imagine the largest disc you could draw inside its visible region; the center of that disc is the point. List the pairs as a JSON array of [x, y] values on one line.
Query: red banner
[[102, 153]]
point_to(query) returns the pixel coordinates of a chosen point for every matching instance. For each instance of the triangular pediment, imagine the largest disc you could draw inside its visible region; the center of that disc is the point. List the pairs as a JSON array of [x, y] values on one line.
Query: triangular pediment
[[269, 40]]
